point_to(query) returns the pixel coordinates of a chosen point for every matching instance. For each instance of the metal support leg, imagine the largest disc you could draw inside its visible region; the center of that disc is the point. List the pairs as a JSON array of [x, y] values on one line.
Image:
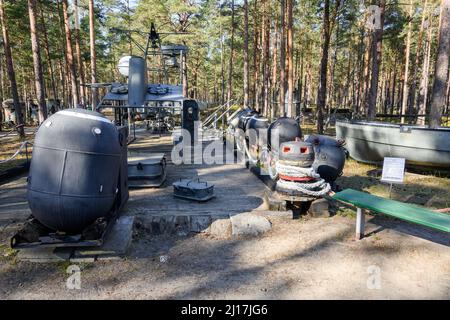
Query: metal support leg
[[360, 221]]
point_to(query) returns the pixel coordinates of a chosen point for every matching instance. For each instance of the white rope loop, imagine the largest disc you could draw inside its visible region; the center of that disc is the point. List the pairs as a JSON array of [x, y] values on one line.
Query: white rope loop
[[299, 172], [306, 187], [296, 172], [22, 146]]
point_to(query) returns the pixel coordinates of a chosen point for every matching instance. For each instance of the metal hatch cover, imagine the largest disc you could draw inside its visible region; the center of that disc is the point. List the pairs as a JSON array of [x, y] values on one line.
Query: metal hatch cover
[[146, 170], [193, 189]]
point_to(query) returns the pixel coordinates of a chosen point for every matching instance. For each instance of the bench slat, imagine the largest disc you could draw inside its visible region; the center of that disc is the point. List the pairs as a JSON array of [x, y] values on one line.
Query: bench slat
[[404, 211]]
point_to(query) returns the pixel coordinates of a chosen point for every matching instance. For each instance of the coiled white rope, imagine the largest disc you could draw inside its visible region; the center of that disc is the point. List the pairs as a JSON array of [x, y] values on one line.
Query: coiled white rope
[[306, 187], [299, 172], [23, 145], [296, 172]]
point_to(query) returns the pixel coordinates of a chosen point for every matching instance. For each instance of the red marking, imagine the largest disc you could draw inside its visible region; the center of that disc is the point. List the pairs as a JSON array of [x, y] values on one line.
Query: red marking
[[302, 179], [303, 150], [286, 149]]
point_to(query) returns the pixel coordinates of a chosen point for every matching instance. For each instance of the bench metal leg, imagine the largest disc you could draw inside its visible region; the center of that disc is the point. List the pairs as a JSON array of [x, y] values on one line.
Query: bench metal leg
[[360, 222]]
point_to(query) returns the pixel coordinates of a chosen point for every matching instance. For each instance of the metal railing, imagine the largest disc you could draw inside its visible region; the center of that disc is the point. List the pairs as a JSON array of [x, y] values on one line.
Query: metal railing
[[213, 118]]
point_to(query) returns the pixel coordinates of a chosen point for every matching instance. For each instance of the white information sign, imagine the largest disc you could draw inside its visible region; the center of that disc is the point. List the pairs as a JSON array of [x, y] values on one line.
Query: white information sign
[[393, 170]]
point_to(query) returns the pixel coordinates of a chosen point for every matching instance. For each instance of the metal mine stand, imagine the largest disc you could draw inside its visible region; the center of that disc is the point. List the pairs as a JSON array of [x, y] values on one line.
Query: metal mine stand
[[162, 106]]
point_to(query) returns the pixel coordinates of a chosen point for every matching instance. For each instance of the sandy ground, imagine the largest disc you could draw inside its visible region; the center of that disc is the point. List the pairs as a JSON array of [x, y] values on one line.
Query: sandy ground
[[297, 259]]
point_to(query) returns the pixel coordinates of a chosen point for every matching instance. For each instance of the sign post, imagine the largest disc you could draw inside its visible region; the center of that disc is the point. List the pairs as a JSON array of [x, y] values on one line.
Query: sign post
[[393, 171]]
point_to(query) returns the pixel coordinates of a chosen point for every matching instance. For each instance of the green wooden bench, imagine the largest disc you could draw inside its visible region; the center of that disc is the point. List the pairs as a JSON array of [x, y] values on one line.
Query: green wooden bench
[[364, 201]]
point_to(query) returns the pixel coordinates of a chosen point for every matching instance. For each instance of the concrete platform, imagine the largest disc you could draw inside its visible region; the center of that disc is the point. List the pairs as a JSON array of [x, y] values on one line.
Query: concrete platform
[[115, 246]]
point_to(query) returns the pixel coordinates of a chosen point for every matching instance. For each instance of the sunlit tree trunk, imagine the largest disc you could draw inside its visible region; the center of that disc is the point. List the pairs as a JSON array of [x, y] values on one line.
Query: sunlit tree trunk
[[418, 56], [322, 93], [246, 71], [424, 80], [10, 71], [2, 92], [441, 67], [273, 83], [405, 108], [282, 94], [256, 54], [222, 67], [290, 59], [37, 63], [78, 55], [266, 58], [69, 52], [376, 62], [231, 61], [47, 52], [366, 75], [94, 91]]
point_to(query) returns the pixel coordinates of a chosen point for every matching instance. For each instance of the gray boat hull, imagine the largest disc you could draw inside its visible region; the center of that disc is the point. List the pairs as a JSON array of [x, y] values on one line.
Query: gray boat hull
[[370, 142]]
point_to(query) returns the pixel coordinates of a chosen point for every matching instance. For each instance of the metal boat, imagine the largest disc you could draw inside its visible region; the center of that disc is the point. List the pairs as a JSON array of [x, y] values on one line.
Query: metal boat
[[421, 146]]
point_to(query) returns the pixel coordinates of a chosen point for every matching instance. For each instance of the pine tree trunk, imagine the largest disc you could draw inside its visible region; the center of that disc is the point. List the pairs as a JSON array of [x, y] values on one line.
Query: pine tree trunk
[[423, 88], [376, 62], [273, 84], [37, 63], [70, 60], [78, 56], [222, 67], [231, 61], [262, 58], [50, 62], [441, 67], [256, 32], [246, 71], [366, 77], [405, 108], [266, 58], [290, 59], [322, 93], [94, 91], [2, 93], [11, 73], [418, 56], [360, 75], [282, 93]]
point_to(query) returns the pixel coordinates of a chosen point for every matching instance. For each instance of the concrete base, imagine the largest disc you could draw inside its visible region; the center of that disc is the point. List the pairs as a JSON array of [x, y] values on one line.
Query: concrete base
[[218, 226], [319, 209], [277, 201], [273, 202], [45, 255], [115, 246]]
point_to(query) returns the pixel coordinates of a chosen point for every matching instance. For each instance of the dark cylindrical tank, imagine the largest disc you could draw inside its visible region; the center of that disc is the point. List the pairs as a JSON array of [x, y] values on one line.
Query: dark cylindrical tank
[[74, 170], [234, 122], [256, 130], [329, 156], [282, 130], [244, 116]]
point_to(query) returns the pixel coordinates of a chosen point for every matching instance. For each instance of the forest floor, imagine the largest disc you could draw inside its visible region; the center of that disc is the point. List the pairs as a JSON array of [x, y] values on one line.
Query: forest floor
[[297, 259]]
